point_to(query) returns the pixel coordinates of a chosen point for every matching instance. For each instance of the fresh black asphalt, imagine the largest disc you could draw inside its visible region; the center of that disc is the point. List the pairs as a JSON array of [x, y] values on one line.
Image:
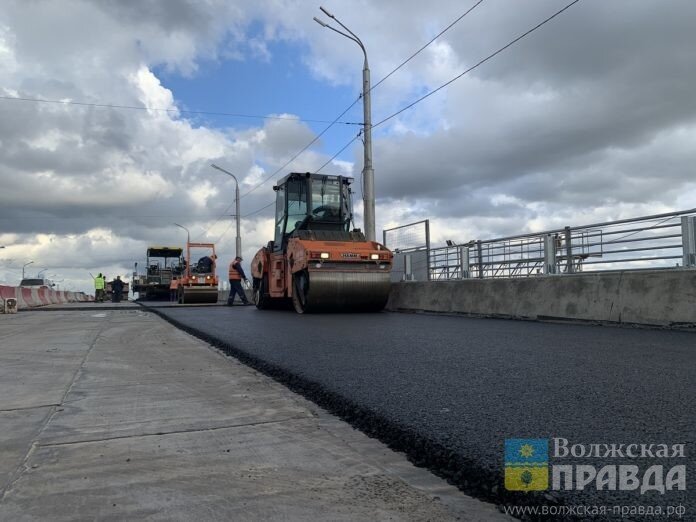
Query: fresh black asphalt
[[448, 391]]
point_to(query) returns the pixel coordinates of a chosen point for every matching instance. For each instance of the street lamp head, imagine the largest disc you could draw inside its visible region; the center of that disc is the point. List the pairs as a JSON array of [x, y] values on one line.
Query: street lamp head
[[323, 24], [188, 234], [326, 12], [225, 172]]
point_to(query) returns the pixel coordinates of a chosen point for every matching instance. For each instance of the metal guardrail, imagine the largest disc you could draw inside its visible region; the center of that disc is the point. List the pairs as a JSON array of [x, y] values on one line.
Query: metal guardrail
[[657, 241], [410, 244]]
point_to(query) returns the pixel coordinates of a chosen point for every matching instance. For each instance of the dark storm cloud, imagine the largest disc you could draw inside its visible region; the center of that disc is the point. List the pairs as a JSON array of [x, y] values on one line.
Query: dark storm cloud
[[172, 15], [572, 105]]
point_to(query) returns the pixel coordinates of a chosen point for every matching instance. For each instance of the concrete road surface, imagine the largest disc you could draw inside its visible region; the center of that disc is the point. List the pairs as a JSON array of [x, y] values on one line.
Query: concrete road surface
[[115, 415], [450, 390]]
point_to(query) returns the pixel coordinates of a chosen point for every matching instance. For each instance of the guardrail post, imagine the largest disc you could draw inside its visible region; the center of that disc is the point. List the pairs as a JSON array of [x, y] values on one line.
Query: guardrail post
[[479, 249], [689, 240], [408, 268], [550, 254], [464, 262], [569, 251], [427, 247]]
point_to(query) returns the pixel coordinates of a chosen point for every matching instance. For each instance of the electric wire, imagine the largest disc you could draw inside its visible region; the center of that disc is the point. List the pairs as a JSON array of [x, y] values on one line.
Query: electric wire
[[333, 122], [337, 154], [316, 138], [481, 62], [174, 110], [413, 55], [259, 209], [337, 119], [438, 35], [253, 212]]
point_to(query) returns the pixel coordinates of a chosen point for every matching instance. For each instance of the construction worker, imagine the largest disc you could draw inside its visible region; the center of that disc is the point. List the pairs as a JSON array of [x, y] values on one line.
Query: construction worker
[[99, 285], [236, 275], [116, 290], [206, 264]]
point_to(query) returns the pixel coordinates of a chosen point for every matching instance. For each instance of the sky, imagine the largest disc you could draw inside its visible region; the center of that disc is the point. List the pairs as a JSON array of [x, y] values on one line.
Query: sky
[[592, 117]]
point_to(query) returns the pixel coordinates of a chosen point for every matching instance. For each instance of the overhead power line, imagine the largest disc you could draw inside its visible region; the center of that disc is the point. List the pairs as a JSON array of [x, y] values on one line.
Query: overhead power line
[[337, 153], [315, 172], [268, 178], [438, 35], [484, 60], [175, 110], [259, 209], [279, 169], [335, 121], [481, 62]]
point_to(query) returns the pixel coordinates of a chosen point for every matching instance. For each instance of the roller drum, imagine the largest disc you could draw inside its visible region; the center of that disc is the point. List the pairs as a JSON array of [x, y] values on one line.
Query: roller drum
[[345, 290], [196, 295]]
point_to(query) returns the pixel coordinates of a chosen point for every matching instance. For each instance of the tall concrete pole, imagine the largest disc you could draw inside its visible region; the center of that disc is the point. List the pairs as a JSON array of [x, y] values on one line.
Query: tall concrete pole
[[238, 241], [368, 173]]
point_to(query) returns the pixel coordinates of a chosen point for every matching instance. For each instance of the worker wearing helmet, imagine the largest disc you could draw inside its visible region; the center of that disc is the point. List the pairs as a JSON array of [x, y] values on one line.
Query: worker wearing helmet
[[99, 285], [236, 275]]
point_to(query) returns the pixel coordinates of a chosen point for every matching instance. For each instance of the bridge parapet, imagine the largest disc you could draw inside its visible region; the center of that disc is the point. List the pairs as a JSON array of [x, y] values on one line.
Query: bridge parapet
[[643, 297]]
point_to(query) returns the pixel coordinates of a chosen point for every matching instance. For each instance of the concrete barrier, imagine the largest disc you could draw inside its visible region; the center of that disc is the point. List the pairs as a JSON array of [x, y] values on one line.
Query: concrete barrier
[[647, 297], [40, 296]]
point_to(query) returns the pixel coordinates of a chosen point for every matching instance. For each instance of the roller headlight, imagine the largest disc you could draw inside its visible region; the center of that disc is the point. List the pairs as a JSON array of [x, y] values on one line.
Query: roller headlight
[[374, 257], [324, 255]]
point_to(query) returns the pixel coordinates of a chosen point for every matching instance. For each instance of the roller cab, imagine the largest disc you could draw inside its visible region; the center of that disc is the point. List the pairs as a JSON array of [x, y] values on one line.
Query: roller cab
[[315, 261]]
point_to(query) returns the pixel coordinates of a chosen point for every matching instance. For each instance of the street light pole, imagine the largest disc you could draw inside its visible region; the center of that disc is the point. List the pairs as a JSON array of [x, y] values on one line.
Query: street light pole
[[38, 275], [26, 265], [368, 173], [188, 234], [238, 241]]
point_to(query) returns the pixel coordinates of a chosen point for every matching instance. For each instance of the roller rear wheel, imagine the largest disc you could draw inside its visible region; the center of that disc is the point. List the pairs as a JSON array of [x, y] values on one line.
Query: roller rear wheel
[[261, 297], [300, 288]]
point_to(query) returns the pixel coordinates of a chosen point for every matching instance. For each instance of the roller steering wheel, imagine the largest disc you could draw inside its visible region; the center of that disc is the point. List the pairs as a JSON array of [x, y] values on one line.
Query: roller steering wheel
[[328, 211]]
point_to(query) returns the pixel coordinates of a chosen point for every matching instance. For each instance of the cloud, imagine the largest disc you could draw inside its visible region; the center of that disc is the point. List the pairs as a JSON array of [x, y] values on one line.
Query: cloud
[[589, 118]]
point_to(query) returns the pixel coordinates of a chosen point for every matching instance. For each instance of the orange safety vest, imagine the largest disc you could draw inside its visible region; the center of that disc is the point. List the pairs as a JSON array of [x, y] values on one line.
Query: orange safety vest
[[233, 274]]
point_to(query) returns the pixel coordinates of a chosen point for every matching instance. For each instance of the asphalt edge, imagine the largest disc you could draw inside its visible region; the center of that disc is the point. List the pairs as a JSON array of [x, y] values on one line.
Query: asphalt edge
[[471, 479], [671, 327]]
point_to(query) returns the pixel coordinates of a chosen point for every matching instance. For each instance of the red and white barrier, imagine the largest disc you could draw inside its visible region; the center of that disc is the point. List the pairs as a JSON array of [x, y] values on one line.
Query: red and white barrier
[[41, 296]]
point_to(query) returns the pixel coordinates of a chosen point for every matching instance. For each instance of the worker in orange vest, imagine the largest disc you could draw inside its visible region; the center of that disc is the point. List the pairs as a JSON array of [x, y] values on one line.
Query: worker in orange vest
[[236, 275]]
